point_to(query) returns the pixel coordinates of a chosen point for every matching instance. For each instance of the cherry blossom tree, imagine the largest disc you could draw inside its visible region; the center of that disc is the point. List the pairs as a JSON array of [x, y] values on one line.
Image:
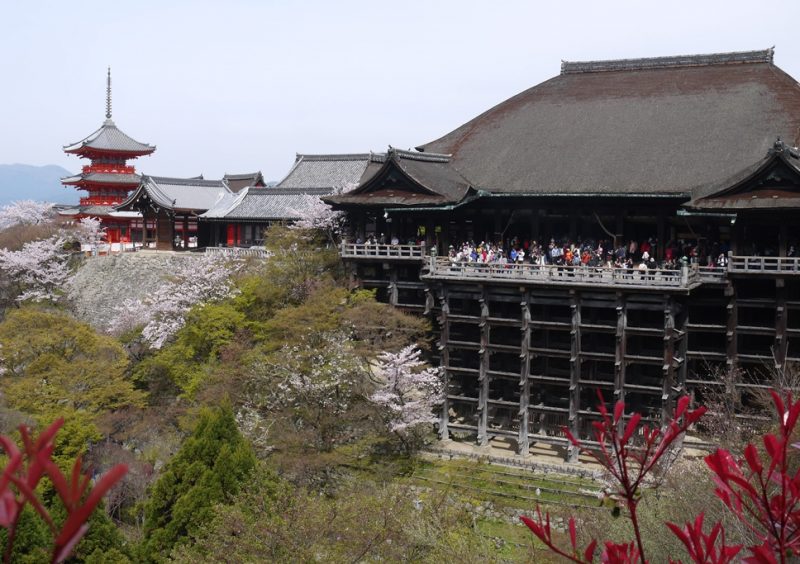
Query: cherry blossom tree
[[316, 380], [315, 215], [409, 393], [90, 231], [38, 271], [25, 212], [195, 280]]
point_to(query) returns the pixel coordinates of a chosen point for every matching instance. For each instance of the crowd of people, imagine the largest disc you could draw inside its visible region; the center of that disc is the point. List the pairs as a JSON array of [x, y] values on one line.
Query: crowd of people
[[592, 253]]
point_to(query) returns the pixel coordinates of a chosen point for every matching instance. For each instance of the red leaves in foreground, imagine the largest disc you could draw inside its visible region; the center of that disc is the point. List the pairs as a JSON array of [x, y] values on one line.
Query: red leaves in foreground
[[24, 471], [759, 488]]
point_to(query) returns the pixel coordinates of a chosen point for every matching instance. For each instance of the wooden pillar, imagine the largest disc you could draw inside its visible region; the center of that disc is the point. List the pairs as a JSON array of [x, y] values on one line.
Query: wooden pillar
[[660, 234], [574, 374], [498, 228], [185, 232], [781, 342], [444, 321], [573, 223], [668, 367], [483, 372], [393, 290], [730, 330], [620, 228], [535, 229], [523, 444], [619, 353], [682, 346]]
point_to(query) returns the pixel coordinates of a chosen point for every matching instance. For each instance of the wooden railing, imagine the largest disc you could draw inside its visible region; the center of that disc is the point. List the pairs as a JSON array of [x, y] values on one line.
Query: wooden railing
[[712, 275], [364, 250], [238, 251], [767, 265], [443, 268]]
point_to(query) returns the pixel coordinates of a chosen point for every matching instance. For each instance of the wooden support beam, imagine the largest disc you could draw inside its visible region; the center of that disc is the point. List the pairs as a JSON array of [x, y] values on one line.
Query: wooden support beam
[[574, 373], [483, 372], [619, 352], [668, 378], [444, 323], [781, 340], [730, 328], [393, 291], [682, 348], [523, 444]]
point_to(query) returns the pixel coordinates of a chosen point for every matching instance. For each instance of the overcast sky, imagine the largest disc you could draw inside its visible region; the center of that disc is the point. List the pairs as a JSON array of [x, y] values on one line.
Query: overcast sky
[[238, 85]]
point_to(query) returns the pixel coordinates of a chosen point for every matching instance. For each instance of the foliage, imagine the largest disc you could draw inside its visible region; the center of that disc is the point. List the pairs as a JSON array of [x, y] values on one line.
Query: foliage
[[628, 465], [56, 366], [208, 469], [271, 521], [316, 381], [24, 471], [409, 393], [188, 360], [762, 490], [195, 280]]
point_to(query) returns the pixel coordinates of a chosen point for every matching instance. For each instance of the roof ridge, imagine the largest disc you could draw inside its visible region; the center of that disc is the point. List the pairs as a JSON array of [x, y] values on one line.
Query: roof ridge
[[420, 156], [334, 157], [275, 191], [195, 181], [676, 61]]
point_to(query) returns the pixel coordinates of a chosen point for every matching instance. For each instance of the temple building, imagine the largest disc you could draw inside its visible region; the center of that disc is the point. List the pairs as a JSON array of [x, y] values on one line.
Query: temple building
[[241, 221], [109, 178], [675, 183]]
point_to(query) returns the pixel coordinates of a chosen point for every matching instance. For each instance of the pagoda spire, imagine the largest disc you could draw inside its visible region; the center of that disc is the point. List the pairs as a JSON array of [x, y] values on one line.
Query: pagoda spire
[[108, 95]]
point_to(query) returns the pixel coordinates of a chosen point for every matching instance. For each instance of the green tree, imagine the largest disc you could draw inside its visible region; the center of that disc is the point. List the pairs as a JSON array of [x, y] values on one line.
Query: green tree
[[54, 366], [208, 469]]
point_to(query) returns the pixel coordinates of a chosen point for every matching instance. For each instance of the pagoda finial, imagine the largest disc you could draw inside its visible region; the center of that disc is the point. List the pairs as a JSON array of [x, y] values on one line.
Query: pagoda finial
[[108, 95]]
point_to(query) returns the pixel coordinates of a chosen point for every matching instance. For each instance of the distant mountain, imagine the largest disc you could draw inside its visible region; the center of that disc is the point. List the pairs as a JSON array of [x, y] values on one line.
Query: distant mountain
[[42, 183]]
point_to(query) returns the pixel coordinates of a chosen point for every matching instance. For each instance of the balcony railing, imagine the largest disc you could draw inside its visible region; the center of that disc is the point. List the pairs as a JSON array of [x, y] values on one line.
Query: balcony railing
[[443, 268], [393, 252], [764, 265], [236, 252]]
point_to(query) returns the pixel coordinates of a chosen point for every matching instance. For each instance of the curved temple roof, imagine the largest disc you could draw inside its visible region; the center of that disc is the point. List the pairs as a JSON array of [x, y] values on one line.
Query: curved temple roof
[[661, 126], [193, 195], [111, 139]]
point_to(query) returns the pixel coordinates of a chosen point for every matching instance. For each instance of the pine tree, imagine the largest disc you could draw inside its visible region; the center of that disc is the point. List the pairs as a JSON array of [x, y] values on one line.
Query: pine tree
[[208, 469]]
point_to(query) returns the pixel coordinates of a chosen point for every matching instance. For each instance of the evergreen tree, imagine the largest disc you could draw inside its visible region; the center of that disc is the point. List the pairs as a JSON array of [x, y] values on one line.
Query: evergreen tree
[[208, 469]]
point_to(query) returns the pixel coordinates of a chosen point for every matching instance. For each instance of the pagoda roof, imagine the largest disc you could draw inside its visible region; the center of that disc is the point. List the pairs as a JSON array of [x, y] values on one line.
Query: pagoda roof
[[656, 127], [109, 138], [237, 182], [326, 171], [266, 204], [194, 195], [102, 178]]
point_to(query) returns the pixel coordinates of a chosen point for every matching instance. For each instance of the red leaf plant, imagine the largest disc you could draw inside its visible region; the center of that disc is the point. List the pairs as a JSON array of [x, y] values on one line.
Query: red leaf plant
[[629, 454], [23, 472], [761, 489]]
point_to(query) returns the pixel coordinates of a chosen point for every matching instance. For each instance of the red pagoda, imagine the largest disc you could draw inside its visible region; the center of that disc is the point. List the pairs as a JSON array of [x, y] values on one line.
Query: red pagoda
[[109, 178]]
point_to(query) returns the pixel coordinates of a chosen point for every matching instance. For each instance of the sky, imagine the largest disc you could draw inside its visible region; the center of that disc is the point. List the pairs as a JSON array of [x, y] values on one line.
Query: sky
[[244, 85]]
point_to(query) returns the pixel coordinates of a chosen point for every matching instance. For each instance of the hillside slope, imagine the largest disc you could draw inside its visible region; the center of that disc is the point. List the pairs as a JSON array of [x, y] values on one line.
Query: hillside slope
[[27, 182]]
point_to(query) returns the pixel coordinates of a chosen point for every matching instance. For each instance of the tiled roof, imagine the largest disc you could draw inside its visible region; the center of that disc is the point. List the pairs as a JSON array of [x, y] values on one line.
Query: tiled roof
[[430, 180], [103, 178], [266, 204], [326, 171], [651, 126], [186, 194], [110, 138], [237, 182]]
